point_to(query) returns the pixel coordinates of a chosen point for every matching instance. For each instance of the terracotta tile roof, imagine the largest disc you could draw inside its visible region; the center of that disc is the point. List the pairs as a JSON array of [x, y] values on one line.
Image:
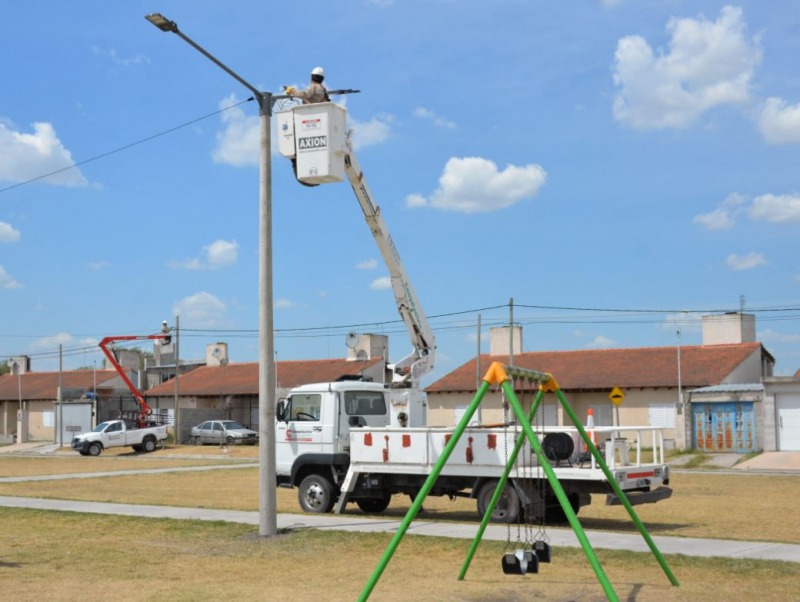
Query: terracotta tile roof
[[44, 385], [242, 378], [603, 368]]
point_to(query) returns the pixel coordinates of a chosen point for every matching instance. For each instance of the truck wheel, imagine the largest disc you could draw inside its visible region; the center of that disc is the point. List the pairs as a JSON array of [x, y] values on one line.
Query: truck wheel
[[149, 445], [374, 505], [230, 441], [316, 494], [95, 449], [507, 509]]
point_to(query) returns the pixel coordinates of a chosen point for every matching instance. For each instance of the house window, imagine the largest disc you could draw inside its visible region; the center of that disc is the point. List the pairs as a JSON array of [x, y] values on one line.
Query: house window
[[662, 415]]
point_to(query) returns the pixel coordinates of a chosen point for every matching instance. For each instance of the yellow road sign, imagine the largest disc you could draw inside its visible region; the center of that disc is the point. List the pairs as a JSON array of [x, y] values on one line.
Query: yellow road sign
[[616, 395]]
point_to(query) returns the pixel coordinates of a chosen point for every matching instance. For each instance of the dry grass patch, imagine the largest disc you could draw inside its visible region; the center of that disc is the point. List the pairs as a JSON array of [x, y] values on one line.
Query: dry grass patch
[[63, 556], [51, 465], [720, 506]]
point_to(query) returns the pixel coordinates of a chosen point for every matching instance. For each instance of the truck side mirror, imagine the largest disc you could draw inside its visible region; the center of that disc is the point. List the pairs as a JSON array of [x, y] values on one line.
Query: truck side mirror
[[279, 409]]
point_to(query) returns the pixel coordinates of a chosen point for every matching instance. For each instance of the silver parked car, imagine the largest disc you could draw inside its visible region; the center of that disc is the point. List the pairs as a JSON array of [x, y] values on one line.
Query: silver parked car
[[229, 432]]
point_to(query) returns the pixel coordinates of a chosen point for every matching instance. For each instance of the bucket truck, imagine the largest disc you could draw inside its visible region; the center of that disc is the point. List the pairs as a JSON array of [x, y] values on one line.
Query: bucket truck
[[362, 442]]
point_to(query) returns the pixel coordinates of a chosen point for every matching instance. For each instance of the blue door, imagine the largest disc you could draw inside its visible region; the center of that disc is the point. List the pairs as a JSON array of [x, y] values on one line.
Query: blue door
[[724, 427]]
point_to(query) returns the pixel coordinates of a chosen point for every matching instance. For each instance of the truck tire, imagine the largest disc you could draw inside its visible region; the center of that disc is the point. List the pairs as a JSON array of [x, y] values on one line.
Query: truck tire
[[316, 494], [149, 444], [507, 509], [95, 449], [374, 505]]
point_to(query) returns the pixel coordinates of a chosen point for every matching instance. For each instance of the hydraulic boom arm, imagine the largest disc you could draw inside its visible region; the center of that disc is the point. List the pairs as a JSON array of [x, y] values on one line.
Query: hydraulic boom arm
[[144, 409], [421, 360]]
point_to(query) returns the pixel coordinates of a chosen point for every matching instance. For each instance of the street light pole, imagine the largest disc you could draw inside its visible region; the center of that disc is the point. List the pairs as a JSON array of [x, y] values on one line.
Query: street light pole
[[266, 357]]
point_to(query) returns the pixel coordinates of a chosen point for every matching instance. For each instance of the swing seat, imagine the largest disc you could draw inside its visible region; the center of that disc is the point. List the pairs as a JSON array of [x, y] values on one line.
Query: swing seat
[[520, 562], [542, 550]]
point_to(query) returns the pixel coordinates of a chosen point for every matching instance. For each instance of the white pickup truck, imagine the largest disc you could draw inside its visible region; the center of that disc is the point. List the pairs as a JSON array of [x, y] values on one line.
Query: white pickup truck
[[116, 433]]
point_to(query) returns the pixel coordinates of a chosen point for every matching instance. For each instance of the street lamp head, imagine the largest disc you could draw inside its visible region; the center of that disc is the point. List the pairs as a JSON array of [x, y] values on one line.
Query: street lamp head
[[162, 22]]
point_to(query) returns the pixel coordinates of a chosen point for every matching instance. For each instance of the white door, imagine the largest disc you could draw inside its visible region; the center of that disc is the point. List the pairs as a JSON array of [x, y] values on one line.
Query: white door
[[302, 432], [788, 405]]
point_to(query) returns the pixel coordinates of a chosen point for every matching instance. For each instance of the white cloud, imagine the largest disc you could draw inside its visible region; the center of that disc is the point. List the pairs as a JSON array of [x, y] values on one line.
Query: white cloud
[[778, 209], [284, 304], [779, 123], [770, 335], [475, 185], [371, 132], [201, 310], [238, 144], [52, 342], [601, 342], [6, 281], [427, 114], [218, 254], [120, 60], [746, 262], [100, 264], [723, 217], [708, 64], [773, 208], [719, 219], [369, 264], [8, 233], [683, 321], [221, 253], [380, 284], [26, 157]]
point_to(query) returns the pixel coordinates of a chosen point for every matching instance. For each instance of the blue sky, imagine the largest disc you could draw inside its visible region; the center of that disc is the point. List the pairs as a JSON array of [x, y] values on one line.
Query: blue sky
[[579, 157]]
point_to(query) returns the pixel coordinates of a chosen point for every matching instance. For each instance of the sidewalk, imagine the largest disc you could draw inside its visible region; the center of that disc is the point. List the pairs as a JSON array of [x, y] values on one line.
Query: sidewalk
[[558, 536]]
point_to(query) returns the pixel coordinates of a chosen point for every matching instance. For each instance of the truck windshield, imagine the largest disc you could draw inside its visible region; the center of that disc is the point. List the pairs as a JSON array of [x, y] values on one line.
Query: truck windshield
[[100, 427]]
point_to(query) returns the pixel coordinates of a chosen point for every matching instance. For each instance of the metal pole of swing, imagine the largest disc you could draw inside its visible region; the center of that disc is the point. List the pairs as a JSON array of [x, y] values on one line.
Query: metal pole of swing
[[266, 357]]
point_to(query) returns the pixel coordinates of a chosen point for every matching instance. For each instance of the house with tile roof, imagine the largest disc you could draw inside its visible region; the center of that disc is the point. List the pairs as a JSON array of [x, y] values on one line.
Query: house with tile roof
[[37, 394], [657, 383], [230, 390]]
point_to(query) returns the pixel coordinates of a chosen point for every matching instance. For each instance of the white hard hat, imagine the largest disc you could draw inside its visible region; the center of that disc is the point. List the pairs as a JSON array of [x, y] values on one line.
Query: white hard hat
[[318, 71]]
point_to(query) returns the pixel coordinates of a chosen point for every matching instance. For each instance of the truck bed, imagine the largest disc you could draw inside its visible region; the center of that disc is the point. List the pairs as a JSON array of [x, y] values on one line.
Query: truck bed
[[636, 456]]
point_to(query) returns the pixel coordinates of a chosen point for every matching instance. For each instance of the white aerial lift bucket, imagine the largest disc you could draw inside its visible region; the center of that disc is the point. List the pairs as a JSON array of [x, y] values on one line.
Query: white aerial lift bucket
[[314, 135]]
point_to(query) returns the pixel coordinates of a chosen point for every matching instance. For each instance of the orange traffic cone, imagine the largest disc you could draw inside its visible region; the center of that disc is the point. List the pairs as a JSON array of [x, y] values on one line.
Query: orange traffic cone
[[590, 429]]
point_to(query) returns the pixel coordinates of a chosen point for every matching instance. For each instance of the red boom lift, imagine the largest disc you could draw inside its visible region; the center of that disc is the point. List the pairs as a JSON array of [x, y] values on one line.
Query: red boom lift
[[144, 416]]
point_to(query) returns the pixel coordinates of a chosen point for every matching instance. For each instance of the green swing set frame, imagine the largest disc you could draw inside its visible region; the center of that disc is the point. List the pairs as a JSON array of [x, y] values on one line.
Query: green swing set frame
[[497, 374]]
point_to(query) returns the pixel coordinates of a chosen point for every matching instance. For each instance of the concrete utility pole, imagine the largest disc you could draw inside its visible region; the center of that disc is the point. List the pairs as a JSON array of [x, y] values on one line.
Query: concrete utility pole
[[266, 356]]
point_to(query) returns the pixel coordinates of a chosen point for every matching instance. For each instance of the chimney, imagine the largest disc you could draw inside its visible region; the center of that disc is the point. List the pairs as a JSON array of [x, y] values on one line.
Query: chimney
[[362, 347], [730, 328], [217, 354], [500, 337]]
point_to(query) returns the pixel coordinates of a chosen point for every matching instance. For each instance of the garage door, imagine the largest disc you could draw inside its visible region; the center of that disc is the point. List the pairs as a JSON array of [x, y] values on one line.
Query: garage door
[[724, 427], [788, 421]]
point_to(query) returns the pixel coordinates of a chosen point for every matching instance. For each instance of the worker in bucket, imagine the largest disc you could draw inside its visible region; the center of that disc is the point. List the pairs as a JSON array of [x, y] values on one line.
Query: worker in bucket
[[315, 92]]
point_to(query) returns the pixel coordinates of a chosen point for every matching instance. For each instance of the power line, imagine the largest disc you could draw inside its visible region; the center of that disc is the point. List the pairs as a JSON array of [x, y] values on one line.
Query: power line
[[614, 316], [122, 148]]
